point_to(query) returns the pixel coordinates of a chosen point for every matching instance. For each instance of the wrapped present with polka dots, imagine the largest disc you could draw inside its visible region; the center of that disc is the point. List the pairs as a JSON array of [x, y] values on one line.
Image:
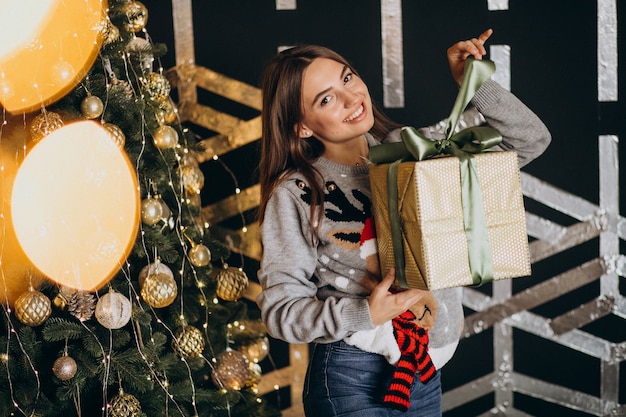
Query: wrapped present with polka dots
[[434, 243], [449, 212]]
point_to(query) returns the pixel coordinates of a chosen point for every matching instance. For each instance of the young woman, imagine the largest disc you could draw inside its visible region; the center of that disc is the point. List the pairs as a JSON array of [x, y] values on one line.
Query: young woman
[[318, 286]]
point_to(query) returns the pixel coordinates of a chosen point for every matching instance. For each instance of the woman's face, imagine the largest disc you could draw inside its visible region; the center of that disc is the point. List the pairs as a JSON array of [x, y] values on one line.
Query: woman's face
[[336, 103]]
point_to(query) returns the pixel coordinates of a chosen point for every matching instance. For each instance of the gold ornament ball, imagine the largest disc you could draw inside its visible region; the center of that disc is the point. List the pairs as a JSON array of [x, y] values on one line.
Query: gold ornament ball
[[192, 178], [199, 255], [151, 211], [91, 107], [231, 371], [137, 15], [157, 86], [188, 342], [116, 134], [113, 310], [231, 283], [64, 368], [32, 308], [257, 351], [124, 405], [165, 137], [156, 267], [159, 290], [44, 124]]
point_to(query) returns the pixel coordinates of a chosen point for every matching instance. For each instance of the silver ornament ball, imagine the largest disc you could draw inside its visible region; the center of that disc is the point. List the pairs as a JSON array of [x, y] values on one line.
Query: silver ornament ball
[[113, 310], [64, 368]]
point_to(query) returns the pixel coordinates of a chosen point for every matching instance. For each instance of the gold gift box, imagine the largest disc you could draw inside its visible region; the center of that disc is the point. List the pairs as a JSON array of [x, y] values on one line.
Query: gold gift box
[[431, 213]]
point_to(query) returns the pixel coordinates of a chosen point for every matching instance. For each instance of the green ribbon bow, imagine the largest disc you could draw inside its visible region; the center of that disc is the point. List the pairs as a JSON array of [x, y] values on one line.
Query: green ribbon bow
[[463, 144]]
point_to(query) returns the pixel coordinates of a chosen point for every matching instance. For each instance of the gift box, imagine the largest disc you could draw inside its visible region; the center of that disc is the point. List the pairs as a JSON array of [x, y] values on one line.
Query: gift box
[[449, 212], [430, 210]]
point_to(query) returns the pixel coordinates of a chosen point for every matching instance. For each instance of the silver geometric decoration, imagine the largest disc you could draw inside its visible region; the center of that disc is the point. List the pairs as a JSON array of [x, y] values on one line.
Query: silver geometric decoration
[[505, 311]]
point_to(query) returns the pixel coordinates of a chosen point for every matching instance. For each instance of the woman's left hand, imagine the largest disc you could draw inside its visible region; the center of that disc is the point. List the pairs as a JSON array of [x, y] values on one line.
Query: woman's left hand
[[458, 53]]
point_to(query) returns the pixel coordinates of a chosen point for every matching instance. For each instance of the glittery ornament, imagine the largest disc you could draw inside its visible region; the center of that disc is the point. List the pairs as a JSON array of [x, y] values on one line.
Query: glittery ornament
[[124, 405], [44, 124], [199, 255], [188, 342], [151, 211], [116, 133], [156, 267], [137, 16], [165, 137], [113, 310], [192, 178], [157, 86], [91, 107], [159, 290], [64, 368], [167, 111], [254, 379], [32, 308], [231, 283], [231, 371], [110, 33]]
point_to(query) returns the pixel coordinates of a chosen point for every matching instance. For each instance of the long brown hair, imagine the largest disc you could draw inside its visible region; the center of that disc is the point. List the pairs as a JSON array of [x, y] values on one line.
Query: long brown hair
[[282, 150]]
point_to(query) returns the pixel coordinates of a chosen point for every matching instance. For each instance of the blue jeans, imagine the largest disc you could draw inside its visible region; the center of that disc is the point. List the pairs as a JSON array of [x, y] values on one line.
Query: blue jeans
[[343, 380]]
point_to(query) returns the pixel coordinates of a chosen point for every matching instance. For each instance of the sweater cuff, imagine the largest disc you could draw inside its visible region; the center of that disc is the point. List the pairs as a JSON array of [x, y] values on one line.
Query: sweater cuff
[[487, 95], [357, 315]]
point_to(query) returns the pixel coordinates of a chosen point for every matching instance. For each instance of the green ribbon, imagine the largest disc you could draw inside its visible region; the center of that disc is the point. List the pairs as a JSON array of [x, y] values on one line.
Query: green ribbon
[[415, 146]]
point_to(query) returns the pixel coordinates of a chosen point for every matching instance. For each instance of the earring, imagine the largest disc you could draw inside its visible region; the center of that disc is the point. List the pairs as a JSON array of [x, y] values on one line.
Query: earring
[[307, 133]]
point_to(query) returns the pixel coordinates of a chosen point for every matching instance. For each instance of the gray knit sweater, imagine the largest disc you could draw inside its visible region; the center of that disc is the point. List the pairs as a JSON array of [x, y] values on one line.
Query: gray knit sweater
[[318, 293]]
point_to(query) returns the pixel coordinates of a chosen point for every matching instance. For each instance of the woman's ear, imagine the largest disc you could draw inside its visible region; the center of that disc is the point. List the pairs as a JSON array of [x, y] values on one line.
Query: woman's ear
[[303, 131]]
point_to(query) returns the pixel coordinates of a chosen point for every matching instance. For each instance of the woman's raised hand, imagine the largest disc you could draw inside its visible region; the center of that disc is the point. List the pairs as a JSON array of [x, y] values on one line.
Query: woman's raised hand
[[458, 53]]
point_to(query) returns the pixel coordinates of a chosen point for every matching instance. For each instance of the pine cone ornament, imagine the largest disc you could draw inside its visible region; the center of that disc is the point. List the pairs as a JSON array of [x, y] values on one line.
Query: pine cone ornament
[[157, 86], [82, 305], [231, 283]]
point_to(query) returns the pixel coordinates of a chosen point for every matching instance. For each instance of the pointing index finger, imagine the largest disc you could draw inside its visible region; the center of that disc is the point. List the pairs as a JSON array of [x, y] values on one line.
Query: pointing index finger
[[485, 35]]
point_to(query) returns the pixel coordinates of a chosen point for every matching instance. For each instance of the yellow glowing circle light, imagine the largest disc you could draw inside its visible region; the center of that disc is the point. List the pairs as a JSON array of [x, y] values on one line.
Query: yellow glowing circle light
[[75, 206], [47, 48]]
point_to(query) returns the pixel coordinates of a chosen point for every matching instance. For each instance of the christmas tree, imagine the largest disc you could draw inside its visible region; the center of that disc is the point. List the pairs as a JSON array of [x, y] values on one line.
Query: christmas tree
[[167, 334]]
